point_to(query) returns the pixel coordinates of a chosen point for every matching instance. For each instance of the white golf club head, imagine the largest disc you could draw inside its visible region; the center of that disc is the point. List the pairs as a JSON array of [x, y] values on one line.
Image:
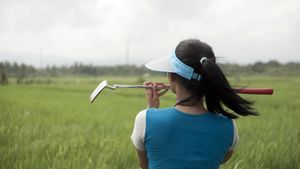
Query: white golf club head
[[98, 90]]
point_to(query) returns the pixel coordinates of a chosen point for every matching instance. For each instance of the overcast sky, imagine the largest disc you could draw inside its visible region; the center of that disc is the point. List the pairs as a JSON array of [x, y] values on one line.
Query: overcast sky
[[47, 32]]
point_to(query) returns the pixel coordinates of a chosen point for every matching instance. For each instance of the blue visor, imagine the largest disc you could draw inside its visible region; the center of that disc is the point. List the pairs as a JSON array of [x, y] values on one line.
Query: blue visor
[[172, 64], [182, 69]]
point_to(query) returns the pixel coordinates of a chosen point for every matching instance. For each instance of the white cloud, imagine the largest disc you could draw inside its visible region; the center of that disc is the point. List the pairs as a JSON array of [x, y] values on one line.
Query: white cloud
[[96, 32]]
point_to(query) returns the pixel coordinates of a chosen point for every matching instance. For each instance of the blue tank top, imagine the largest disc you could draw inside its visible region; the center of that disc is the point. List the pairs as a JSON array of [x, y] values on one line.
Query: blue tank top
[[176, 140]]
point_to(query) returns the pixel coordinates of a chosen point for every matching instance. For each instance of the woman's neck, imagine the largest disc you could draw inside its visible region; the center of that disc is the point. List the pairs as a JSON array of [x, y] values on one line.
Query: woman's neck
[[195, 109]]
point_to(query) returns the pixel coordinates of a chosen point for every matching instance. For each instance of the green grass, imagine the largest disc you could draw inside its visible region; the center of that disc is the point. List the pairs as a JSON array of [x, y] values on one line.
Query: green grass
[[54, 125]]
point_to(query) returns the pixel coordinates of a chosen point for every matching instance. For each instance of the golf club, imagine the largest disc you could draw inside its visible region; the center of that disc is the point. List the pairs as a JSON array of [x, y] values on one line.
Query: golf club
[[104, 84]]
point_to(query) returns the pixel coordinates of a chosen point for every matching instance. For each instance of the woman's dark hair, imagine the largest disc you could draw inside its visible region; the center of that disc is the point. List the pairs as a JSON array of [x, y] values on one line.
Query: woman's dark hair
[[213, 84]]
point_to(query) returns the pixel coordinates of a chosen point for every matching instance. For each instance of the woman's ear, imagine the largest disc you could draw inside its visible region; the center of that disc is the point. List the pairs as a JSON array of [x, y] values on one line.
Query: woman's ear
[[172, 83], [171, 77]]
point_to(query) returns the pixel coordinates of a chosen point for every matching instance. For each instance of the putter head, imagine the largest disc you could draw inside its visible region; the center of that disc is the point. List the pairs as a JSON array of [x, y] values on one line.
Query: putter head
[[98, 90]]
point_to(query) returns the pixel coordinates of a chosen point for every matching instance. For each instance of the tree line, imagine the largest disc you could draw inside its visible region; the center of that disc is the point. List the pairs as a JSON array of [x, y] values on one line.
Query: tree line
[[23, 71]]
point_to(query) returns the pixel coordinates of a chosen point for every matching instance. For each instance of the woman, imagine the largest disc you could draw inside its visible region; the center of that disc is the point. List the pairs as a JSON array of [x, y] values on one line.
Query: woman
[[189, 135]]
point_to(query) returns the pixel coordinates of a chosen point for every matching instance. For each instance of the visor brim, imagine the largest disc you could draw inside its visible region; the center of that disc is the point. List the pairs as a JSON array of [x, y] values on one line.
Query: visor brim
[[160, 65]]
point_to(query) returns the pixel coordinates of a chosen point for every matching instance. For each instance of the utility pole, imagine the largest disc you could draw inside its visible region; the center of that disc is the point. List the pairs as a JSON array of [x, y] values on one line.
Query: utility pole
[[41, 62], [127, 52]]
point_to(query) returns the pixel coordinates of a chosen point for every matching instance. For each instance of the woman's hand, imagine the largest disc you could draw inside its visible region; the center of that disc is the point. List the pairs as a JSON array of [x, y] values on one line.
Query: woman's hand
[[157, 89]]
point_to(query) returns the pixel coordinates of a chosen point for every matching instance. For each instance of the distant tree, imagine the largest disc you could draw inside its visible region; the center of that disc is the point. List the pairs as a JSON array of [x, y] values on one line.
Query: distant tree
[[53, 71], [3, 79], [258, 67], [3, 75], [23, 72], [273, 63]]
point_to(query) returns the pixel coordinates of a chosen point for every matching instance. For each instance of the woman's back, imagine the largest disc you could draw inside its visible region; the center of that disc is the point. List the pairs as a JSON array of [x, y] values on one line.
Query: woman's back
[[174, 139]]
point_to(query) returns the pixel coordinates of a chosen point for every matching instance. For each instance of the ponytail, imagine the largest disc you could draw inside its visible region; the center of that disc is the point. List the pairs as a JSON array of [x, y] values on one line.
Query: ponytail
[[213, 85], [218, 93]]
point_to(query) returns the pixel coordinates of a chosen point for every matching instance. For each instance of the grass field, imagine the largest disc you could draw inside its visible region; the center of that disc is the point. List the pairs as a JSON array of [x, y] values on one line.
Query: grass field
[[54, 126]]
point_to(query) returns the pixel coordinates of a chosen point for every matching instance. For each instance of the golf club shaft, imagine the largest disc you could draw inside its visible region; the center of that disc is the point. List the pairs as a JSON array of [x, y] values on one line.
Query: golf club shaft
[[265, 91], [138, 86]]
